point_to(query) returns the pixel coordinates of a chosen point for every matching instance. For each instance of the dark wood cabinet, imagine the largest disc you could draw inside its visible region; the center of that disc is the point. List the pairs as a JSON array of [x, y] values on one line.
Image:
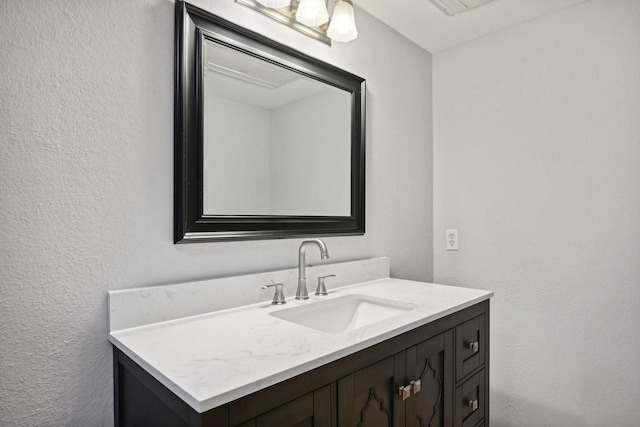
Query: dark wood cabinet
[[431, 363], [436, 375], [470, 399], [371, 397], [470, 338], [311, 410], [366, 398], [471, 405]]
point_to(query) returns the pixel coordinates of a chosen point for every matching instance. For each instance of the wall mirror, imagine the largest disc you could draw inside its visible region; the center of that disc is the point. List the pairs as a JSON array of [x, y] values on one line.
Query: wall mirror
[[269, 142]]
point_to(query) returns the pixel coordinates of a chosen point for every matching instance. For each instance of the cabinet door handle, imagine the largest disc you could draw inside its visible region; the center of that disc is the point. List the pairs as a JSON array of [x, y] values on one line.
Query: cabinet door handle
[[416, 386], [474, 346], [473, 404], [405, 392]]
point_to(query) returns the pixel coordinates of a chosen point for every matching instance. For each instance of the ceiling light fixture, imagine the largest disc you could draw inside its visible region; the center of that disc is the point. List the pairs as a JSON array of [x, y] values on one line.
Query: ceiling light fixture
[[311, 17], [312, 13], [343, 23]]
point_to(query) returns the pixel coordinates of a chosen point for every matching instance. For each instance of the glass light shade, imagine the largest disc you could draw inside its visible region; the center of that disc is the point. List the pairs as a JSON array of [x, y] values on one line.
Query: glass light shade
[[312, 13], [343, 23], [274, 4]]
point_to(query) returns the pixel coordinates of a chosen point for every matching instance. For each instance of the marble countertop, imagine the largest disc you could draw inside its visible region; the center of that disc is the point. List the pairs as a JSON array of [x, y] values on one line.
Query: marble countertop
[[211, 359]]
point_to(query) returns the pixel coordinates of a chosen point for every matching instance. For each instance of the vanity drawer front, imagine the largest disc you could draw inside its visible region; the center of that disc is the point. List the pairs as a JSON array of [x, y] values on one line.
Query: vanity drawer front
[[470, 401], [470, 346]]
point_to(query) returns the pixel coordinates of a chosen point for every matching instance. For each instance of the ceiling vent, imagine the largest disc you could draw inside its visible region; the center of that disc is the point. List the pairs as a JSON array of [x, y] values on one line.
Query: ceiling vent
[[455, 7]]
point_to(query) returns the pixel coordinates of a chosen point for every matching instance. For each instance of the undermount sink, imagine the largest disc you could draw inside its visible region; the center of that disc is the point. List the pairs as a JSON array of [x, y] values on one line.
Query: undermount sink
[[344, 313]]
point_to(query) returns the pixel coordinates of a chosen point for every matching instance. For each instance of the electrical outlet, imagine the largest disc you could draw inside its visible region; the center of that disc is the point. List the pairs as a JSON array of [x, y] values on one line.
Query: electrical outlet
[[452, 239]]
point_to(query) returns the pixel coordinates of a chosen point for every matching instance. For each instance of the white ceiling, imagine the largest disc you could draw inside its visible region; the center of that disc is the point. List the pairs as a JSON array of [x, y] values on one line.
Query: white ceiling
[[423, 23], [239, 77]]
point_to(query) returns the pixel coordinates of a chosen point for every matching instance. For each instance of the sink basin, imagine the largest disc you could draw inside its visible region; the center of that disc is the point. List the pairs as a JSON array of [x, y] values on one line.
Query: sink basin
[[344, 313]]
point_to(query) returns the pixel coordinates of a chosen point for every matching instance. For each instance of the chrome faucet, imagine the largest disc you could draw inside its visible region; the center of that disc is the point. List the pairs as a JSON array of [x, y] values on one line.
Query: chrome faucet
[[302, 293]]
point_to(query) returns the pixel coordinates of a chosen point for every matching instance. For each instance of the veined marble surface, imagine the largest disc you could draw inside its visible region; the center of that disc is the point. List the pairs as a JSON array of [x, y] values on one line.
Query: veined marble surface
[[129, 308], [211, 359]]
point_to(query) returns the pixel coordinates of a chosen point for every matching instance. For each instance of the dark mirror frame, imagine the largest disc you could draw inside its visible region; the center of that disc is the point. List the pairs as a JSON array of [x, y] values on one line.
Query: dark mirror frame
[[193, 25]]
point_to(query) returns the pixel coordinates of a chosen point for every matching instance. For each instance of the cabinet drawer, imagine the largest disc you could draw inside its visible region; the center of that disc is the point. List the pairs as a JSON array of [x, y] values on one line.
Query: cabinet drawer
[[470, 401], [470, 346]]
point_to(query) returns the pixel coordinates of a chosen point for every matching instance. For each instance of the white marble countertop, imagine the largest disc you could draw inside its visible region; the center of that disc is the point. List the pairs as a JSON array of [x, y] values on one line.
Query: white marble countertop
[[211, 359]]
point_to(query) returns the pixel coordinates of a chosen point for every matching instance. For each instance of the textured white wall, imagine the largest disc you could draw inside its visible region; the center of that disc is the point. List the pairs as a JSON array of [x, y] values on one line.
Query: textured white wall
[[537, 163], [86, 184]]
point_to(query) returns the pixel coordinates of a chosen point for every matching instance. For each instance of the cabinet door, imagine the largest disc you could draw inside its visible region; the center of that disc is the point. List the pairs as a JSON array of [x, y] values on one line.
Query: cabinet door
[[431, 362], [367, 398], [310, 410]]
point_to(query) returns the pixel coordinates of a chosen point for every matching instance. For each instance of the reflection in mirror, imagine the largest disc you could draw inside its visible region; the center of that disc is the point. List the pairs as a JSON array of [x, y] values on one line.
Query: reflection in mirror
[[275, 142]]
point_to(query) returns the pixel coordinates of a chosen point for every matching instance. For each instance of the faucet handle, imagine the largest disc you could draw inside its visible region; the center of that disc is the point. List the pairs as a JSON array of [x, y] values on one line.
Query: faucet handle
[[321, 289], [278, 297]]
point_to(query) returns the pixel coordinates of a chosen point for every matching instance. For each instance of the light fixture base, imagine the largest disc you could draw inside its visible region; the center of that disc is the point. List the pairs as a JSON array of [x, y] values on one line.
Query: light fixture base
[[286, 15]]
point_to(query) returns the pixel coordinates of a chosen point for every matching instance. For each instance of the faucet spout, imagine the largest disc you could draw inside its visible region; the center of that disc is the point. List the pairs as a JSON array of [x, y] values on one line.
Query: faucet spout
[[302, 292]]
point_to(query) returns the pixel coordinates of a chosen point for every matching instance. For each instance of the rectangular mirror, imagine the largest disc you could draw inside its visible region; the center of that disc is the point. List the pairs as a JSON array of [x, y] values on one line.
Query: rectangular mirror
[[269, 141]]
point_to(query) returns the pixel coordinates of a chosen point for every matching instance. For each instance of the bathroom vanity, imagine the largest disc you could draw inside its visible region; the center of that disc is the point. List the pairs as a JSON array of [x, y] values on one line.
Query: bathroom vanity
[[391, 353]]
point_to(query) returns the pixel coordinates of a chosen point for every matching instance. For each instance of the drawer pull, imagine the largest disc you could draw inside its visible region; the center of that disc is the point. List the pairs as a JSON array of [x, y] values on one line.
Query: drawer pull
[[416, 386], [473, 404], [405, 392], [474, 346]]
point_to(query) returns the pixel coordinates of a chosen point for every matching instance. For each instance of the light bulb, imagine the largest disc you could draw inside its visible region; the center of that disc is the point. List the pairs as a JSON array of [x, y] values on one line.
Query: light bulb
[[343, 23], [312, 13], [274, 4]]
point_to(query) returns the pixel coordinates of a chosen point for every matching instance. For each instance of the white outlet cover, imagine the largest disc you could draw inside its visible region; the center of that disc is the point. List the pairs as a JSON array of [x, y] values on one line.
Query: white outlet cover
[[452, 239]]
